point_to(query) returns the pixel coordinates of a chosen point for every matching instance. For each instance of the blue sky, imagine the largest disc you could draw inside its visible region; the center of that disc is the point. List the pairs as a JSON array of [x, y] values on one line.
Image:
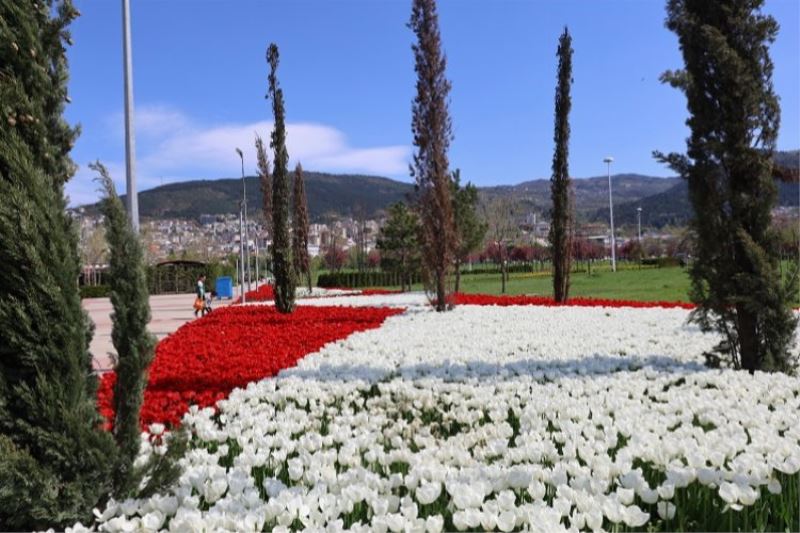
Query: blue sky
[[348, 79]]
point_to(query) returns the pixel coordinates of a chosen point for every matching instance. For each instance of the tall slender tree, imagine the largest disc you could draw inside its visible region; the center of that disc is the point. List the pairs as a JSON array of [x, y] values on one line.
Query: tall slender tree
[[432, 130], [469, 228], [733, 119], [135, 346], [265, 180], [281, 244], [561, 215], [302, 263], [55, 460]]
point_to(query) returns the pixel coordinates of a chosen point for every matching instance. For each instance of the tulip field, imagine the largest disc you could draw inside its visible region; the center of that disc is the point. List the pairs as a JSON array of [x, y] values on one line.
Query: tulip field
[[370, 412]]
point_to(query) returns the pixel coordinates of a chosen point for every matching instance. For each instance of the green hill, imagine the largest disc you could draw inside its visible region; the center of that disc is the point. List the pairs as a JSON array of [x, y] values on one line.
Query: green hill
[[672, 207], [664, 201], [343, 194]]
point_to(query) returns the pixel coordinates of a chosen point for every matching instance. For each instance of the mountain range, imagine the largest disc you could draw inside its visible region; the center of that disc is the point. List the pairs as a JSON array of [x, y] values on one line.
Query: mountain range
[[664, 201]]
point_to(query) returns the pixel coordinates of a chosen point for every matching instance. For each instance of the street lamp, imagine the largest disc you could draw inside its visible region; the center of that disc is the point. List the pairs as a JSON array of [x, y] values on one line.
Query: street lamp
[[246, 256], [639, 222], [132, 198], [608, 160], [241, 235]]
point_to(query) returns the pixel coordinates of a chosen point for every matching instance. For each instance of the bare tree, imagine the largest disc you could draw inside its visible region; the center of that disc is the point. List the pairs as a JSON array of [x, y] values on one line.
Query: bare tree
[[503, 230], [265, 180]]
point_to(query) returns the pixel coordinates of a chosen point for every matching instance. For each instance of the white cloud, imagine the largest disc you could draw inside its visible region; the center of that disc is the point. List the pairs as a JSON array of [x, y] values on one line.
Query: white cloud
[[171, 146]]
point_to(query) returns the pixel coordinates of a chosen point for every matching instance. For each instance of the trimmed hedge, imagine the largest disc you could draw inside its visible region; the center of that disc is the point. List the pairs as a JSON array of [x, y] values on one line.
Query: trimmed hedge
[[95, 291], [354, 280]]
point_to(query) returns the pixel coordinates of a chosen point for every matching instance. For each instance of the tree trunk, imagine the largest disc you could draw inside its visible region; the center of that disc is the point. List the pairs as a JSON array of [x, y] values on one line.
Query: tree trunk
[[748, 340], [441, 296], [458, 275]]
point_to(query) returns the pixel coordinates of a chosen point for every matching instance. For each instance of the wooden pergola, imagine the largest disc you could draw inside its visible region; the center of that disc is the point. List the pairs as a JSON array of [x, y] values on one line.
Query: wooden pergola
[[177, 276]]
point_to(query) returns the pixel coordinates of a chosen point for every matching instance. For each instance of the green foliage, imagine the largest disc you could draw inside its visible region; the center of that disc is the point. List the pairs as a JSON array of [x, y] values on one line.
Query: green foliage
[[300, 257], [160, 471], [95, 291], [55, 460], [281, 245], [561, 216], [432, 130], [470, 229], [134, 345], [399, 243], [734, 120], [265, 182]]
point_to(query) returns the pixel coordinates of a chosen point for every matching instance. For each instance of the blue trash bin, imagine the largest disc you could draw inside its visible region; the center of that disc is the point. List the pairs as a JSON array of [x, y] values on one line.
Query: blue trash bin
[[224, 287]]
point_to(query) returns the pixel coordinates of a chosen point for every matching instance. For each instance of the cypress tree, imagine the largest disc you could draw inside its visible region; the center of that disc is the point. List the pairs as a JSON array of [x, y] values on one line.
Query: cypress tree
[[733, 121], [469, 228], [134, 345], [265, 180], [281, 245], [561, 215], [432, 130], [55, 459], [300, 228]]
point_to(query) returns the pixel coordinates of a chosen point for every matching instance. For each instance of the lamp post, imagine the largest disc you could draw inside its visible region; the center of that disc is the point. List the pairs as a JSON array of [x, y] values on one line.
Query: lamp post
[[132, 198], [246, 253], [608, 160], [639, 223], [256, 241], [241, 253]]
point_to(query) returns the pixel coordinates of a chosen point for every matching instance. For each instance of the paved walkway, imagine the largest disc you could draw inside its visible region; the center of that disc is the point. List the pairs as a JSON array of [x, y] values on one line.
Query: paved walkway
[[169, 312]]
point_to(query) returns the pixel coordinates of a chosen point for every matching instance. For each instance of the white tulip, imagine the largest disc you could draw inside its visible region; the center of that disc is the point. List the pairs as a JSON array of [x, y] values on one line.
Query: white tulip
[[434, 524], [428, 493]]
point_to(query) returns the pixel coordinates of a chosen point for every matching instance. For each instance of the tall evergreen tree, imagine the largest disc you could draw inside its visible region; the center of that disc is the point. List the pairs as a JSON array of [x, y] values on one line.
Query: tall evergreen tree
[[398, 242], [469, 228], [281, 245], [301, 261], [561, 215], [55, 460], [265, 180], [733, 119], [432, 130], [135, 346]]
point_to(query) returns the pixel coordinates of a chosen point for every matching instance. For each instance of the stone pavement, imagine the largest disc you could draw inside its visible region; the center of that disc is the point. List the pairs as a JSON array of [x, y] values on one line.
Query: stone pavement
[[168, 311]]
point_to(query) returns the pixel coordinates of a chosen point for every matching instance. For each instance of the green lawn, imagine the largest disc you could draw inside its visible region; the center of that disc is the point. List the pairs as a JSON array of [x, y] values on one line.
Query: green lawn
[[667, 284], [646, 284]]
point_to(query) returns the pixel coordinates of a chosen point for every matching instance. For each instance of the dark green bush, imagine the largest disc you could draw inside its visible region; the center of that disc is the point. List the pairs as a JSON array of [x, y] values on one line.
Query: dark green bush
[[95, 291]]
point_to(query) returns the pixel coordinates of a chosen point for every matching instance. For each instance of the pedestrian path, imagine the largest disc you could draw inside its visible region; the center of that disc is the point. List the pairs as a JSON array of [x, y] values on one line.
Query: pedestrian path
[[168, 312]]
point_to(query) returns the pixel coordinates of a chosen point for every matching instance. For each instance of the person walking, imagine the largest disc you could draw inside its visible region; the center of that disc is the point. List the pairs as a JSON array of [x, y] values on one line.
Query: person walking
[[200, 300]]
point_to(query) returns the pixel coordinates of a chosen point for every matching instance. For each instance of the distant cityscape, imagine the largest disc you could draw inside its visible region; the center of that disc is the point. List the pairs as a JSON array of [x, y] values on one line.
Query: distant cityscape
[[214, 237]]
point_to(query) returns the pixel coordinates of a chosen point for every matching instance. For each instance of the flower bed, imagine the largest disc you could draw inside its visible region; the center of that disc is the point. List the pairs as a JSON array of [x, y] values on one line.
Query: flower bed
[[495, 418], [262, 294], [202, 361], [266, 293]]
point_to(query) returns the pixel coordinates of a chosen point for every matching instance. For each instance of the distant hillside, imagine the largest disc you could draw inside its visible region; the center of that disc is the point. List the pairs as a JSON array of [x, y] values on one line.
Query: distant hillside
[[591, 194], [343, 194], [664, 201], [672, 207]]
